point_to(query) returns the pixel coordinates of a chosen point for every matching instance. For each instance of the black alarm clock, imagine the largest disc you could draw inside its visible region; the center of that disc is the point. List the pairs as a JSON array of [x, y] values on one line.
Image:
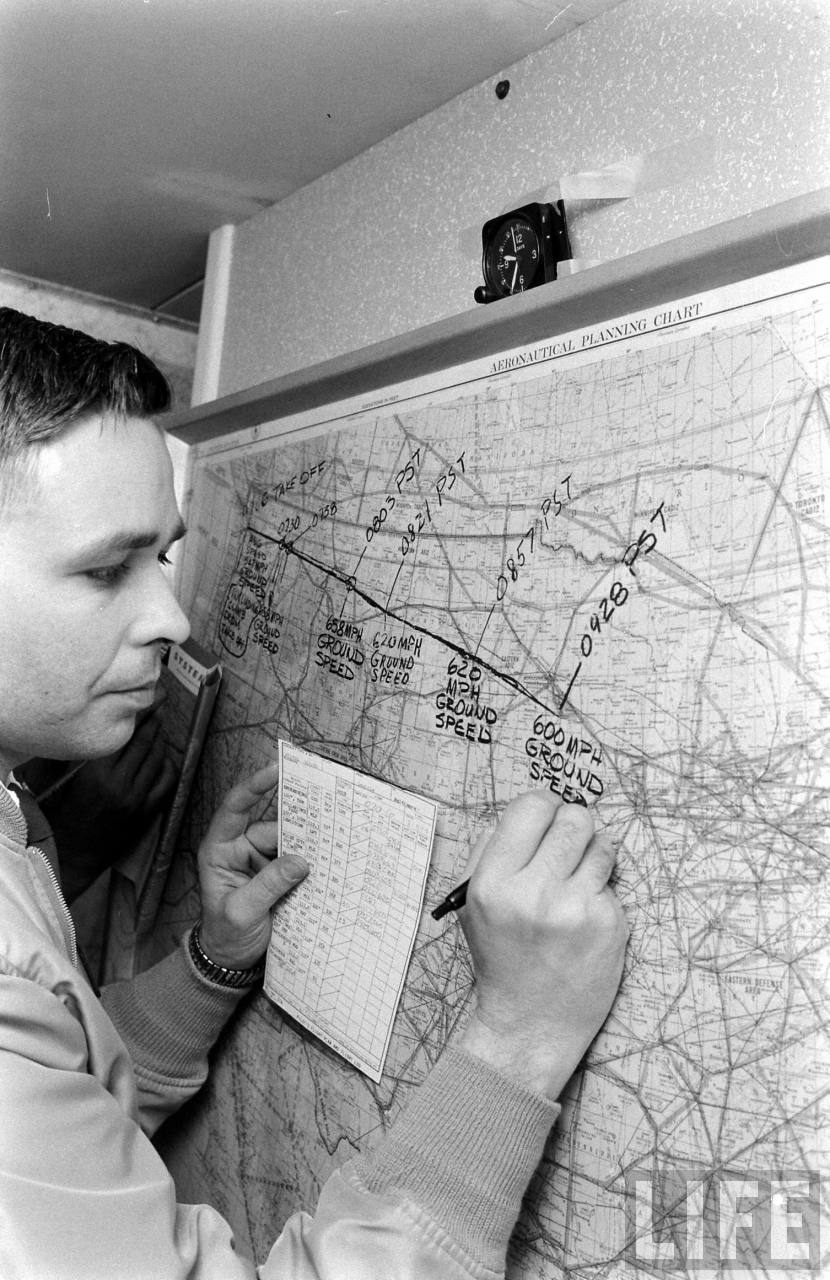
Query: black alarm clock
[[520, 250]]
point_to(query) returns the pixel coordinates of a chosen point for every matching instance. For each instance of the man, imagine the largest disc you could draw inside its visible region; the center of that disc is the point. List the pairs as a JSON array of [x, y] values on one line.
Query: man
[[87, 516], [100, 808]]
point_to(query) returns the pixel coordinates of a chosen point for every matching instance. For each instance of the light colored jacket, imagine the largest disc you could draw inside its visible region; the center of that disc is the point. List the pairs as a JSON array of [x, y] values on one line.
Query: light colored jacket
[[84, 1194]]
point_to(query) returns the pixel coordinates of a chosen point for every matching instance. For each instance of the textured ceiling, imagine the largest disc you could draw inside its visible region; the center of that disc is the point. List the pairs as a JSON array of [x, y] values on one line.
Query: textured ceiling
[[131, 128]]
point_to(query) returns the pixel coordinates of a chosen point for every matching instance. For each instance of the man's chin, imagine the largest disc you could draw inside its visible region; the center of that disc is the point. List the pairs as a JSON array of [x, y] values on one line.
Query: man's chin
[[103, 738], [115, 738]]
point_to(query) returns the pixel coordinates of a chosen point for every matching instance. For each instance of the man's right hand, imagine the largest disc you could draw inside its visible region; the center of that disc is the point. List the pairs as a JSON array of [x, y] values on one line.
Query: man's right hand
[[547, 936]]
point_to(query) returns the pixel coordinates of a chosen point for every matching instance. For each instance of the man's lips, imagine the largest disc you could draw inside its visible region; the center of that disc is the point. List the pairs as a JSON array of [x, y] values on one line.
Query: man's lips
[[139, 687]]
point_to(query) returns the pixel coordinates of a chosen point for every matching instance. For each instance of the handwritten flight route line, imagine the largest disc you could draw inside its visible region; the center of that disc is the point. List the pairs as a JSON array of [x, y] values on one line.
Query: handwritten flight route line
[[347, 580]]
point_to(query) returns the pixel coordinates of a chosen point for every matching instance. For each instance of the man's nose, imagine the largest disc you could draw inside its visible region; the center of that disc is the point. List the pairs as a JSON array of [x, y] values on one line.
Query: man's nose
[[162, 617], [178, 627]]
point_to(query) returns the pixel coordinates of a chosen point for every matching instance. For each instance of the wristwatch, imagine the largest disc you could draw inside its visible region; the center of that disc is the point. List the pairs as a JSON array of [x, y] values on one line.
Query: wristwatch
[[218, 973]]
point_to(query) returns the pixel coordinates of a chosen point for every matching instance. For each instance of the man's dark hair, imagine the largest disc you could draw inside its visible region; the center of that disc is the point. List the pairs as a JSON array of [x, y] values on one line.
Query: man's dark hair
[[50, 376]]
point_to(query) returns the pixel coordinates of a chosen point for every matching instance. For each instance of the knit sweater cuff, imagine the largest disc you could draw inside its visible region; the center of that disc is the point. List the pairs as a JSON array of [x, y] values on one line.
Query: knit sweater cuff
[[465, 1150], [169, 1016]]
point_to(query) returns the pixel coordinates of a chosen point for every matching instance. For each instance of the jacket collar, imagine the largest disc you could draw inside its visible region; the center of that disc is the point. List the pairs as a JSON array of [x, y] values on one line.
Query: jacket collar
[[12, 822]]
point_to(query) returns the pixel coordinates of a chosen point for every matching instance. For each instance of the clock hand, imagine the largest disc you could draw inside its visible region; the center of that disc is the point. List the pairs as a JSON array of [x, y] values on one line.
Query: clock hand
[[513, 281]]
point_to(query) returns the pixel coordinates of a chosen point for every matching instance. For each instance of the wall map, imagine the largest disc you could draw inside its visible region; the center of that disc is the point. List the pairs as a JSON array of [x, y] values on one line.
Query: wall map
[[603, 569]]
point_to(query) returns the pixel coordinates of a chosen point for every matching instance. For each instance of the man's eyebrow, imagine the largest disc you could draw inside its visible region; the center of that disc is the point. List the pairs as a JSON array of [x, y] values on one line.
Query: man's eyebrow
[[127, 540]]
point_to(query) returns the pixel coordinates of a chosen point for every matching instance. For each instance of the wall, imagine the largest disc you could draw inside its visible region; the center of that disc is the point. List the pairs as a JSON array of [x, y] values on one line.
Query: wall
[[725, 101], [171, 344]]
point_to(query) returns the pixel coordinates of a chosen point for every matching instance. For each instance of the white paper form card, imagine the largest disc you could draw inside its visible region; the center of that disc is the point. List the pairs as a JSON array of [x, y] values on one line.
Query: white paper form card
[[341, 942]]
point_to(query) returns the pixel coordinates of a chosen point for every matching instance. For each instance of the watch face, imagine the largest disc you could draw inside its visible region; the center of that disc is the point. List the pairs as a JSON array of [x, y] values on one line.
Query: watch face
[[512, 257]]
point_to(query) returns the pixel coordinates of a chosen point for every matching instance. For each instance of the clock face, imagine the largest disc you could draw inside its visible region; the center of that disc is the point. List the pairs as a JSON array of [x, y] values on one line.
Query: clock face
[[512, 257]]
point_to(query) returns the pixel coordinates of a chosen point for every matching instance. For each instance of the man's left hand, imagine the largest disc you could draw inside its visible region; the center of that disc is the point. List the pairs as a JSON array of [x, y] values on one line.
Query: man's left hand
[[241, 876]]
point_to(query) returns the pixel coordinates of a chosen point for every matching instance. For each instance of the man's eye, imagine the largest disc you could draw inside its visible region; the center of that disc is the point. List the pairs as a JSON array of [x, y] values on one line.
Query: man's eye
[[110, 575]]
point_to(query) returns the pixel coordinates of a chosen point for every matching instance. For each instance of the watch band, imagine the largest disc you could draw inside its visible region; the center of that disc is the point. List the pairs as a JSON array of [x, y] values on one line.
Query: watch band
[[218, 973]]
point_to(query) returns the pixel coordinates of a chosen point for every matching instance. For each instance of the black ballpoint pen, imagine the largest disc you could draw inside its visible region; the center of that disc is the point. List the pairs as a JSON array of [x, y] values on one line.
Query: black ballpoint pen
[[454, 899]]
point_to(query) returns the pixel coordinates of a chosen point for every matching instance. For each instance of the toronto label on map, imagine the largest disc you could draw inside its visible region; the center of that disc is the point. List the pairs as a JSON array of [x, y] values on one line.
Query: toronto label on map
[[604, 572]]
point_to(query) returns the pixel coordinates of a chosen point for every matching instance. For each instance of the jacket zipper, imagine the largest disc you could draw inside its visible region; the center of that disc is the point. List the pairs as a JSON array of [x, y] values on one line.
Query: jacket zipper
[[73, 949]]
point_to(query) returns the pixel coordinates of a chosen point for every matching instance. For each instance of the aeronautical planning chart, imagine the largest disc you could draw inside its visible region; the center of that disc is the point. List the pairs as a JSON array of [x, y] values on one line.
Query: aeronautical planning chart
[[598, 565]]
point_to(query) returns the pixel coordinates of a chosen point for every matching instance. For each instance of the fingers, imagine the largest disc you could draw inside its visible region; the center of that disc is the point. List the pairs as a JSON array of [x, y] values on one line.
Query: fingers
[[247, 793], [270, 884], [231, 818], [564, 844], [540, 833], [597, 864], [538, 828], [264, 836], [516, 839]]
